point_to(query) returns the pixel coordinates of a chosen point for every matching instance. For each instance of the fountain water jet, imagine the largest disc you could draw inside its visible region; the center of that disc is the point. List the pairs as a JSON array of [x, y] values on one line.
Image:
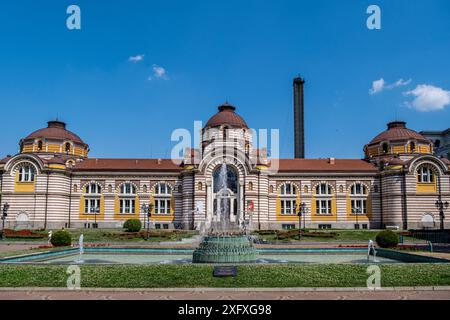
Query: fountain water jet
[[226, 242]]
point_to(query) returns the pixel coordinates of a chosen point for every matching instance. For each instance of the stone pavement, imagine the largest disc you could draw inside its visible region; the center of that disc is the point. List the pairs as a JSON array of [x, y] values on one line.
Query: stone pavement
[[410, 293]]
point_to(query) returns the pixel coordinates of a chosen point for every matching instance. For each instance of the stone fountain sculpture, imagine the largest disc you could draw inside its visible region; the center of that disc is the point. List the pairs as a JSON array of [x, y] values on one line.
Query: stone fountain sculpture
[[225, 241]]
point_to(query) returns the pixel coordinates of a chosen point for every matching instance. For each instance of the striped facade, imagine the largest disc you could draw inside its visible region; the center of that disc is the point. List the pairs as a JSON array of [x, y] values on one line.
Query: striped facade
[[50, 190]]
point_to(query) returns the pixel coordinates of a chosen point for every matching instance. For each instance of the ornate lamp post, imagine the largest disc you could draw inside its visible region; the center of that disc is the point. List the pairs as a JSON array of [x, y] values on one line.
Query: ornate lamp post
[[148, 208], [356, 211], [4, 215], [301, 212], [441, 206], [96, 211]]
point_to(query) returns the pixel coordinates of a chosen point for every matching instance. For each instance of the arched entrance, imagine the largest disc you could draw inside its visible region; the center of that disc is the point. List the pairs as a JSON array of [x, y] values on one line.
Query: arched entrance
[[225, 195]]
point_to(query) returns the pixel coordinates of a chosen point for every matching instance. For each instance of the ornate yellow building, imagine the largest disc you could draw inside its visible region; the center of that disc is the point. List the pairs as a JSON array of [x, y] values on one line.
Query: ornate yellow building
[[52, 183]]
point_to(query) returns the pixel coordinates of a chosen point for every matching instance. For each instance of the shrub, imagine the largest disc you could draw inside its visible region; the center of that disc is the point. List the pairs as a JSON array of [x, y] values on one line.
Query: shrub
[[387, 239], [61, 239], [132, 225]]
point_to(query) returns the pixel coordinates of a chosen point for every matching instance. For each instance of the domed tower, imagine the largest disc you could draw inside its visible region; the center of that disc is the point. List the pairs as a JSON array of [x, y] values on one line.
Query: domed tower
[[226, 129], [397, 142], [55, 140]]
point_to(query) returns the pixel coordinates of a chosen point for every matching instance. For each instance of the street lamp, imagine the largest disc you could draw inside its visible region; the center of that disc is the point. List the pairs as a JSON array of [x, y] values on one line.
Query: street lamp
[[96, 211], [441, 206], [148, 208], [301, 212], [356, 211], [4, 215]]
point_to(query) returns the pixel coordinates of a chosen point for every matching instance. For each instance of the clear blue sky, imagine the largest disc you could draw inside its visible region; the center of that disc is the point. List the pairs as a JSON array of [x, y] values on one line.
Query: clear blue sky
[[243, 51]]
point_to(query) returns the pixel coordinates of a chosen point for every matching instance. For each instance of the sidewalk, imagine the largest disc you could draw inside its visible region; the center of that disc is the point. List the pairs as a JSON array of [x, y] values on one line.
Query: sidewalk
[[404, 293]]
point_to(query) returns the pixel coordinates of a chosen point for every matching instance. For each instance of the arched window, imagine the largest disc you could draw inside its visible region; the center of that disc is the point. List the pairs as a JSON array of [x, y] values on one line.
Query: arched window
[[250, 186], [358, 198], [127, 199], [306, 189], [231, 179], [40, 145], [127, 189], [412, 147], [323, 199], [92, 198], [163, 198], [288, 189], [385, 147], [358, 189], [26, 173], [93, 188], [271, 189], [163, 189], [199, 186], [425, 175], [144, 188], [323, 189], [67, 147]]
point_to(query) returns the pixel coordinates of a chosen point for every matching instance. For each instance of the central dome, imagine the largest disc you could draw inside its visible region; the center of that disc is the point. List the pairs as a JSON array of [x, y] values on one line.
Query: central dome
[[226, 116]]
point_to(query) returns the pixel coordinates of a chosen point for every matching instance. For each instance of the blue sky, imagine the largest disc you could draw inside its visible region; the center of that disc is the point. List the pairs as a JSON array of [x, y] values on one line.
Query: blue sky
[[246, 52]]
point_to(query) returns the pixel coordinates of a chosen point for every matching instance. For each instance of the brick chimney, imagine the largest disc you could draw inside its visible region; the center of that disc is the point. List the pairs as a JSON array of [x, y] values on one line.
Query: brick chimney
[[299, 118]]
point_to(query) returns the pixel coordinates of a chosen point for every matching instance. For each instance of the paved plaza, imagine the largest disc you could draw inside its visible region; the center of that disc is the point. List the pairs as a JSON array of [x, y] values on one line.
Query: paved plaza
[[428, 293]]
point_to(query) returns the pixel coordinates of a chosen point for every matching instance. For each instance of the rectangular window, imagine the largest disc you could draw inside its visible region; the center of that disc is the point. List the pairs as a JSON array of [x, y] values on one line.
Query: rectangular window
[[359, 206], [127, 206], [288, 207], [364, 226], [91, 206], [288, 226], [323, 207], [324, 226], [162, 206]]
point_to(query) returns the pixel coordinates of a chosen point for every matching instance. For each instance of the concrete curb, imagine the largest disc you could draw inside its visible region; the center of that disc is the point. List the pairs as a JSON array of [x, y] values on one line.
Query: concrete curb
[[350, 289]]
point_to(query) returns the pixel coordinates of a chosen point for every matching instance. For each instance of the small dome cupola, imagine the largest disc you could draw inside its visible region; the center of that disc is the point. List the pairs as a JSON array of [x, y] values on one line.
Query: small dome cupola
[[54, 139], [396, 124], [398, 140], [56, 124], [226, 116]]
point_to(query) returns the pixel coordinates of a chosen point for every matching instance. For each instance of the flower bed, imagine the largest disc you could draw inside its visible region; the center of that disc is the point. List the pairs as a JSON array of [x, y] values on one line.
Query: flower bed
[[23, 234]]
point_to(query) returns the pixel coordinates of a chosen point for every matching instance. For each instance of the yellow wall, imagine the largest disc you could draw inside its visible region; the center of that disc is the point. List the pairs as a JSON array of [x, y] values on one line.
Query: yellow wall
[[122, 216], [323, 217], [426, 187], [361, 217], [23, 186], [287, 217], [398, 149], [91, 217], [163, 217]]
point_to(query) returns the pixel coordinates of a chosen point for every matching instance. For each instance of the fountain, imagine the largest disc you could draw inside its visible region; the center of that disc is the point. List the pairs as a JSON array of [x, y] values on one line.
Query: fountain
[[226, 241], [371, 250], [81, 249]]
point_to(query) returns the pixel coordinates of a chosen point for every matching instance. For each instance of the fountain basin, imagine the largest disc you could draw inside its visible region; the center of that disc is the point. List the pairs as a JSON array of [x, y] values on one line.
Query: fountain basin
[[225, 249]]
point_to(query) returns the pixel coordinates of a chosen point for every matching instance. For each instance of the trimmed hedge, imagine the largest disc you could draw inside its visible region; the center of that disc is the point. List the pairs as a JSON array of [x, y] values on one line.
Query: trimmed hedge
[[387, 239], [61, 239], [132, 225]]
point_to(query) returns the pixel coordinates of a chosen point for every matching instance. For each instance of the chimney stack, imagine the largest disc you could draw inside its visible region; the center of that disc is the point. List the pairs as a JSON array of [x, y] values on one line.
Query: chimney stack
[[299, 118]]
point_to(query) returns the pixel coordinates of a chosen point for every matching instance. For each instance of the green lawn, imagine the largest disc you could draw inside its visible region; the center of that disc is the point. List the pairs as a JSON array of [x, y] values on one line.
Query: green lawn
[[269, 276]]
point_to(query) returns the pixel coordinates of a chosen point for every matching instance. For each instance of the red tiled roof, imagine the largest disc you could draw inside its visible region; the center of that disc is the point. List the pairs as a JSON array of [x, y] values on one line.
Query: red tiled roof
[[397, 131], [55, 130], [226, 115], [325, 165], [94, 164]]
